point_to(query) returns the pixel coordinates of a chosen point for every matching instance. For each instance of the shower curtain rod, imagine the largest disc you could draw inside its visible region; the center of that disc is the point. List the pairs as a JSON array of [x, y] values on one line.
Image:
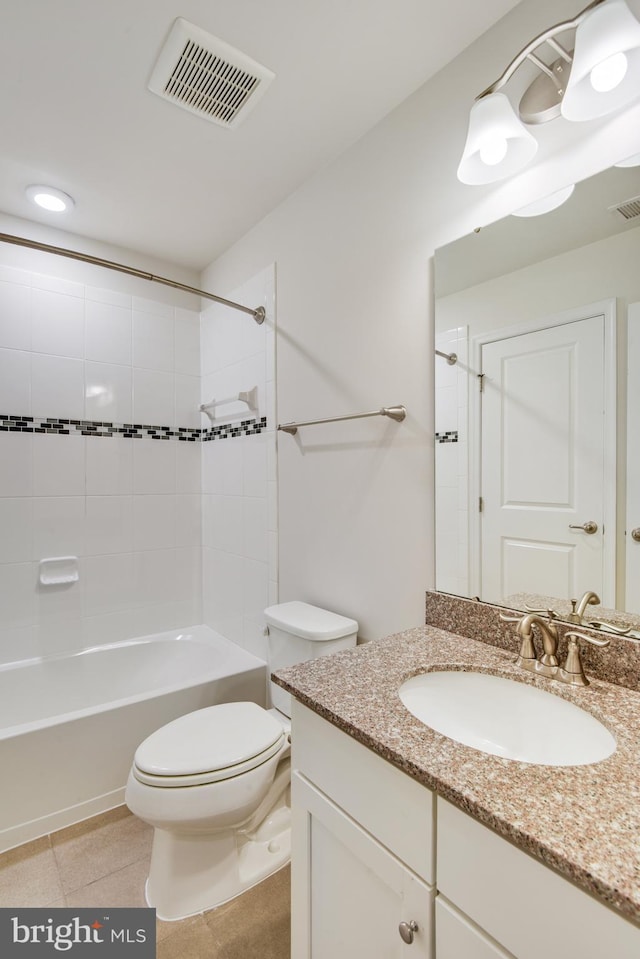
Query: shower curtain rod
[[258, 314]]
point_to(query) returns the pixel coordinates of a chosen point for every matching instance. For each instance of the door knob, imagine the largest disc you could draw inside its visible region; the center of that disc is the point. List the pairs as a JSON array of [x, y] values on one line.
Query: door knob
[[406, 930], [588, 527], [635, 534]]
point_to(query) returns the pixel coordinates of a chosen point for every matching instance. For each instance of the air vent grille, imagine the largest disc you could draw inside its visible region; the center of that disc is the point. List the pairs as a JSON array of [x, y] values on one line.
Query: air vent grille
[[202, 74], [629, 209]]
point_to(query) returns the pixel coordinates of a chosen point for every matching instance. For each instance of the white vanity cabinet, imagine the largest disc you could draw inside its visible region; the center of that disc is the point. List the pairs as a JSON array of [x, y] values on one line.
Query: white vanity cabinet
[[362, 850], [364, 862]]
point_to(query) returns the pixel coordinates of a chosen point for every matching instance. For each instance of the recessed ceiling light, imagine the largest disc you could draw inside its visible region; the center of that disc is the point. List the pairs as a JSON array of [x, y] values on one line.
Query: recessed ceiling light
[[49, 198]]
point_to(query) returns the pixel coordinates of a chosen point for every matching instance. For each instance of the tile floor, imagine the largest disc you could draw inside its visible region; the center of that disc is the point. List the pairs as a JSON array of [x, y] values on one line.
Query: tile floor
[[104, 862]]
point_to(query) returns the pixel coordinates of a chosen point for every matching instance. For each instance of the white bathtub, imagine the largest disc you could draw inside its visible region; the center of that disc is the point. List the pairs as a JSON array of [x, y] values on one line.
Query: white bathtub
[[69, 726]]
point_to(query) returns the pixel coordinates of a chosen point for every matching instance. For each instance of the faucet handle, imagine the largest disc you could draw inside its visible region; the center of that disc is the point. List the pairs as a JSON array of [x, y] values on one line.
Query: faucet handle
[[572, 672]]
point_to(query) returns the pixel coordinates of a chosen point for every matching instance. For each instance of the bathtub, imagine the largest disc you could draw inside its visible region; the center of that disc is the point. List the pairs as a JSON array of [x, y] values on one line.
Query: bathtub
[[69, 725]]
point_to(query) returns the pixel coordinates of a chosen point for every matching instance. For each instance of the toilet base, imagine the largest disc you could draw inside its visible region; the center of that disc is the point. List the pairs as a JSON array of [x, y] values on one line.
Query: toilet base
[[190, 874]]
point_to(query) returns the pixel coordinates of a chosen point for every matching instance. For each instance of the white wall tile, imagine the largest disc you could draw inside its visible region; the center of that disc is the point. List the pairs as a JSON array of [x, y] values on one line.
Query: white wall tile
[[255, 544], [153, 398], [56, 284], [254, 465], [255, 587], [15, 382], [57, 386], [108, 525], [108, 333], [188, 461], [188, 575], [15, 316], [188, 520], [108, 392], [18, 643], [16, 464], [58, 526], [223, 589], [111, 297], [17, 595], [154, 466], [16, 529], [187, 401], [187, 342], [144, 304], [109, 466], [154, 576], [154, 522], [108, 583], [58, 608], [225, 528], [228, 477], [57, 323], [153, 341], [58, 465]]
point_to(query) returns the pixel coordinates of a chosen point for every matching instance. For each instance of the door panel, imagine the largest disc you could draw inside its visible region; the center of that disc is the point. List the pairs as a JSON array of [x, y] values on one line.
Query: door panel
[[632, 599], [542, 461]]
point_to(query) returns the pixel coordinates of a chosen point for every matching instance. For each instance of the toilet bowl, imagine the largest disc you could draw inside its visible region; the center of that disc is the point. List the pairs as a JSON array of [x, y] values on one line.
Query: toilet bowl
[[215, 783]]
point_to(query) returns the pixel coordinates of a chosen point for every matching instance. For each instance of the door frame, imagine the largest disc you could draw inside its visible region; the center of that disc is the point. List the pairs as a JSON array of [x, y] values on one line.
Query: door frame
[[631, 513], [606, 308]]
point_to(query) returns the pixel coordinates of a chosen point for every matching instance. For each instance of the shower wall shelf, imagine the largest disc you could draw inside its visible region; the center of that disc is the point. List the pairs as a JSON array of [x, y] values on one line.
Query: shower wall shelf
[[397, 413], [250, 397]]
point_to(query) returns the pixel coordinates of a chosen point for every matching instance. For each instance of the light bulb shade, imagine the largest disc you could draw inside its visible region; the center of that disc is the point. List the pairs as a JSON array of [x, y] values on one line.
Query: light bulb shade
[[546, 203], [630, 161], [606, 33], [498, 144]]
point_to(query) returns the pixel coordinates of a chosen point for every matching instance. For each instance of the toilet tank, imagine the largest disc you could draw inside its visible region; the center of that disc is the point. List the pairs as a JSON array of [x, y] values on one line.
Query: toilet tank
[[299, 632]]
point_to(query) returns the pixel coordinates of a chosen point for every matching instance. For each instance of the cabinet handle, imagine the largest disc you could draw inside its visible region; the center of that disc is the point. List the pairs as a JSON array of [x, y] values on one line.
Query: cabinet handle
[[406, 930], [635, 534], [588, 527]]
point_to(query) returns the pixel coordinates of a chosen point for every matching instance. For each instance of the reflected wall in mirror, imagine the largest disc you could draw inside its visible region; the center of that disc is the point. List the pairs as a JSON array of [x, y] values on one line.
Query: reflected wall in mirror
[[538, 421]]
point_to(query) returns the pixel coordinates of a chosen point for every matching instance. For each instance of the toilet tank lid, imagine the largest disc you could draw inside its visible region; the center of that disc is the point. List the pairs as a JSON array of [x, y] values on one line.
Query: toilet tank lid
[[309, 622]]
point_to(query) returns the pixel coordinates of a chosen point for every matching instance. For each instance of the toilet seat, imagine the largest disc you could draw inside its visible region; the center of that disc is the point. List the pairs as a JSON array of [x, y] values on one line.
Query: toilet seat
[[209, 745]]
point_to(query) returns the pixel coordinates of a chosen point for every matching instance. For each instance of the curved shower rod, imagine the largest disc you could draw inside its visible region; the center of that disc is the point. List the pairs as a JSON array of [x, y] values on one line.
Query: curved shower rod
[[258, 314]]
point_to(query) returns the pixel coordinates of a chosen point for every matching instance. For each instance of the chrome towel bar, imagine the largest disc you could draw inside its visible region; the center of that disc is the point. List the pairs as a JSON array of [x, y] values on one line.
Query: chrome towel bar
[[397, 413]]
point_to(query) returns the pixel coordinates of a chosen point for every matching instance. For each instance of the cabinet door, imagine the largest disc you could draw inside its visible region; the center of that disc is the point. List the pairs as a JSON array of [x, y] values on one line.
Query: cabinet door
[[349, 894], [458, 938]]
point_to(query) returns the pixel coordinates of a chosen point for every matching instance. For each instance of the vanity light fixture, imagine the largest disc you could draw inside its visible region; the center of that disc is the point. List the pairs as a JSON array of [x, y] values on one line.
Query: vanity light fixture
[[599, 75], [629, 161], [49, 198]]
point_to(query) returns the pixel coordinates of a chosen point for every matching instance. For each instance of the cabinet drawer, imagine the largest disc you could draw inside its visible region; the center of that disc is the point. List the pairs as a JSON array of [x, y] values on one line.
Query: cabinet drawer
[[390, 805], [528, 908]]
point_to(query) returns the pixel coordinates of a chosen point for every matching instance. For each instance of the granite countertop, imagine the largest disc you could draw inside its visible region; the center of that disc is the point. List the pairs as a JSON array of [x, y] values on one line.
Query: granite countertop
[[583, 821]]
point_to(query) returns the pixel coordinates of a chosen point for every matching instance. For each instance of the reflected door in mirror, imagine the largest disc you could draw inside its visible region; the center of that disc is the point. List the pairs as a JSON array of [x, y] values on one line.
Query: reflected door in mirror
[[542, 462]]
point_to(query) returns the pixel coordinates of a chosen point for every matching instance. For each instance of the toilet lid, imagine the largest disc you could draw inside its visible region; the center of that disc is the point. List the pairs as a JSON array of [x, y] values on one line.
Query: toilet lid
[[208, 745]]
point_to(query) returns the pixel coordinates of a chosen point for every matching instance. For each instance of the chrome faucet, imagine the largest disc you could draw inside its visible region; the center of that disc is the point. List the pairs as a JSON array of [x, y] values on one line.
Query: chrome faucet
[[578, 607], [547, 665]]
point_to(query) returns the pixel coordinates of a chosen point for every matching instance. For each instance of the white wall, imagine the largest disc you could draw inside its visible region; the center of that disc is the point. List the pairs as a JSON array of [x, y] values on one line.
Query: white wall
[[87, 344], [353, 248], [240, 521]]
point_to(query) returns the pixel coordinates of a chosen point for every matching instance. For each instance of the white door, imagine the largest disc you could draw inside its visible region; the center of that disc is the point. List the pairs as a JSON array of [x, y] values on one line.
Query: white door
[[349, 894], [632, 599], [543, 462]]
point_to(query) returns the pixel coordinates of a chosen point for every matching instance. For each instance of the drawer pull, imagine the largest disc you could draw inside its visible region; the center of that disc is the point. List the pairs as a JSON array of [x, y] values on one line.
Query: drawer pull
[[406, 930]]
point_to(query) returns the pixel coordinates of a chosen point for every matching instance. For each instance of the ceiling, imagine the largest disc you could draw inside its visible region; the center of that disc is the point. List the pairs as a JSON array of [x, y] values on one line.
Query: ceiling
[[75, 111]]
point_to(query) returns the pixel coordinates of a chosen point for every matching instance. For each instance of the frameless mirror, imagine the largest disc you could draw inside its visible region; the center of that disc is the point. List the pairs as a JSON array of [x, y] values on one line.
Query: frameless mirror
[[538, 419]]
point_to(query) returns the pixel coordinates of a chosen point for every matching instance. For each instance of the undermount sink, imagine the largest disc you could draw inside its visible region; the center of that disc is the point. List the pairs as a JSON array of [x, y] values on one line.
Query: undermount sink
[[506, 718]]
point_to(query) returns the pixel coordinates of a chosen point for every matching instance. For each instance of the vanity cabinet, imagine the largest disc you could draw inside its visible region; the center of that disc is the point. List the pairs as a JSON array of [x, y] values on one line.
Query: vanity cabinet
[[362, 850], [364, 844]]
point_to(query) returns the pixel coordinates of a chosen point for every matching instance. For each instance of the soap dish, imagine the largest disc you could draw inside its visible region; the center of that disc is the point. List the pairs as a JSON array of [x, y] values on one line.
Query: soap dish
[[57, 570]]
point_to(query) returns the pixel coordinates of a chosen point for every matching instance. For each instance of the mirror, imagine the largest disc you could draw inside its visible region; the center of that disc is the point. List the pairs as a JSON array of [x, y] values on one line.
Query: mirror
[[537, 475]]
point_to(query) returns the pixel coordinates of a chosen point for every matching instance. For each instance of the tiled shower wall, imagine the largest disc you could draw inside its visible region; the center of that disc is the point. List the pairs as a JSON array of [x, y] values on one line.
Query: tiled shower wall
[[126, 504], [239, 467], [451, 454]]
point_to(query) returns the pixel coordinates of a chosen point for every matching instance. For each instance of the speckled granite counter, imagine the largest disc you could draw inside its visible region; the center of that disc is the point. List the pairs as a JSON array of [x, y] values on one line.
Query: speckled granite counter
[[583, 821]]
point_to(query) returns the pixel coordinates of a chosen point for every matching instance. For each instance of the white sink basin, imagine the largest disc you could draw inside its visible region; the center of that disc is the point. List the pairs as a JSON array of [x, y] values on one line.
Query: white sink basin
[[506, 718]]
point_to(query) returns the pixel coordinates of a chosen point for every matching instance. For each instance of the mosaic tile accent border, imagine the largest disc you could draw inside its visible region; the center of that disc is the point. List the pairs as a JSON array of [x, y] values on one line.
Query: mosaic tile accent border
[[12, 423], [449, 437]]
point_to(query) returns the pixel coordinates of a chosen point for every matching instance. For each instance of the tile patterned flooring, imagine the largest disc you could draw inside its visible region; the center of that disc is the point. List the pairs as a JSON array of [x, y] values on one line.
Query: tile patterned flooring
[[104, 861]]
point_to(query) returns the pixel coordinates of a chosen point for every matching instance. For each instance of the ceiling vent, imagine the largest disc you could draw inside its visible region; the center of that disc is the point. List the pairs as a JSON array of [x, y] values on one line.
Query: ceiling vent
[[206, 76], [629, 209]]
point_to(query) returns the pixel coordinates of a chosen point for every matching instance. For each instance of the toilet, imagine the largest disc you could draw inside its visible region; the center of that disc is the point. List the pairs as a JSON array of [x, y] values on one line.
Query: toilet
[[214, 783]]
